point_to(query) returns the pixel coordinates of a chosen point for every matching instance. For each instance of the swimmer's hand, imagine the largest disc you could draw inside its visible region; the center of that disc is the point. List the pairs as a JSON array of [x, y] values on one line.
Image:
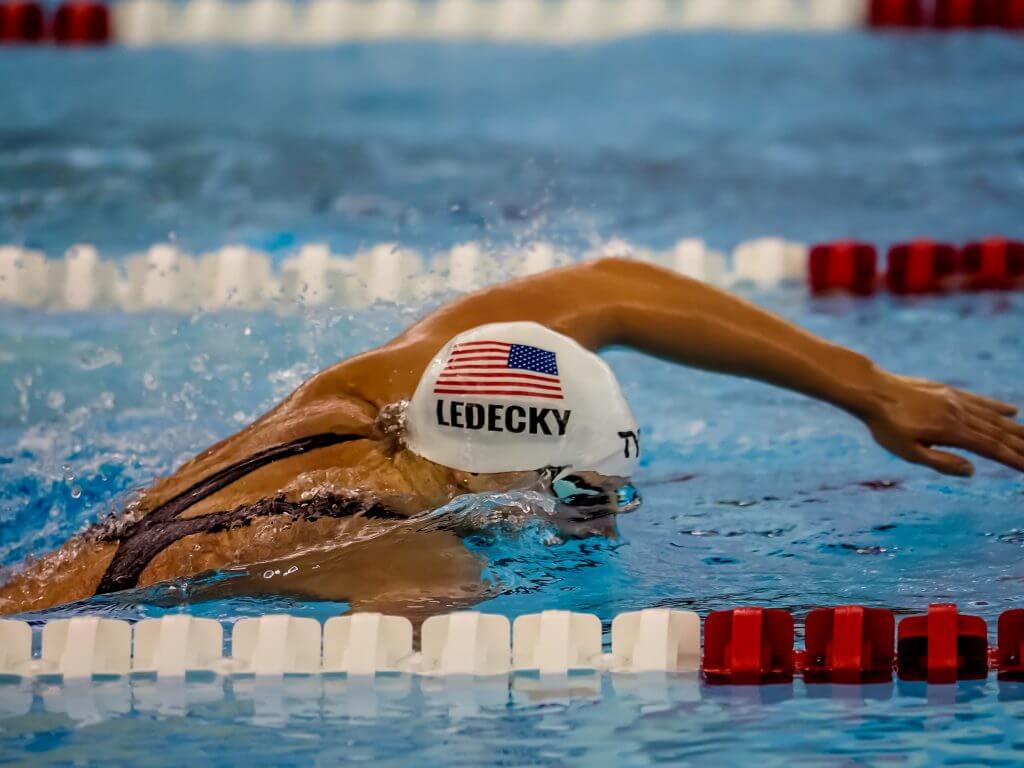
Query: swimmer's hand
[[910, 416]]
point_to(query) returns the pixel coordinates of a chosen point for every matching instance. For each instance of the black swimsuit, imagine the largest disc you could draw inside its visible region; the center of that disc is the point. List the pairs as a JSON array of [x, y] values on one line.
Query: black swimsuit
[[142, 540]]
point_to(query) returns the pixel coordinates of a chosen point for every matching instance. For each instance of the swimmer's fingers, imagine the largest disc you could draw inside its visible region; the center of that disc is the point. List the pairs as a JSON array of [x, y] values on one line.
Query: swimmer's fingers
[[987, 440], [919, 453], [988, 403], [1001, 423], [942, 461], [1004, 432]]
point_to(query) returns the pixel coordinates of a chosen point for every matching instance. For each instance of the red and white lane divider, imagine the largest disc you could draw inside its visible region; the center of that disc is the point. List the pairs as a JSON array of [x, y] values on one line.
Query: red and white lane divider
[[320, 22], [237, 277], [742, 646]]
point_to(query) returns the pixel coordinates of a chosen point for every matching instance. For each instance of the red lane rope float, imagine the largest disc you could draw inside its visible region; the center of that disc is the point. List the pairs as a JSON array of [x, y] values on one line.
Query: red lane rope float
[[896, 13], [1012, 14], [21, 22], [853, 644], [942, 646], [748, 646], [992, 264], [81, 22], [1010, 654], [849, 644], [843, 265], [946, 14], [917, 267], [956, 14], [921, 266]]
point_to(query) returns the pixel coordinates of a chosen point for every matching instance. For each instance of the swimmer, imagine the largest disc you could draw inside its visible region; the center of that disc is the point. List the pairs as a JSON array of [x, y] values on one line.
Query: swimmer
[[499, 390]]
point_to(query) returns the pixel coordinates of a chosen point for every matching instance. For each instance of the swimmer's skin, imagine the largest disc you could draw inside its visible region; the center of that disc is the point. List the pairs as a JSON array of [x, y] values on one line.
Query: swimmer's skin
[[600, 303]]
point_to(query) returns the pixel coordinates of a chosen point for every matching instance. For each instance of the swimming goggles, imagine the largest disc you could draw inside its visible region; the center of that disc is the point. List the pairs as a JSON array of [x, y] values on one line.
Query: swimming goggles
[[573, 490]]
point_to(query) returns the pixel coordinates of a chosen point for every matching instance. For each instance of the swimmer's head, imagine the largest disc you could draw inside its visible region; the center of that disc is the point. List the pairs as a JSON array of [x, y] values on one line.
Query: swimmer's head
[[519, 397]]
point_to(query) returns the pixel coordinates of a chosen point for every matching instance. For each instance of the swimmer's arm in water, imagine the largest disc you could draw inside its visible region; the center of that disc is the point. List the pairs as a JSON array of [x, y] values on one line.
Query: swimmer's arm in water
[[622, 302], [427, 570]]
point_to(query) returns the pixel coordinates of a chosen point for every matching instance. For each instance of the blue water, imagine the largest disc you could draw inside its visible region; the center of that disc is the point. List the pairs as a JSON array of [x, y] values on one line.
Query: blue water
[[751, 495], [721, 137]]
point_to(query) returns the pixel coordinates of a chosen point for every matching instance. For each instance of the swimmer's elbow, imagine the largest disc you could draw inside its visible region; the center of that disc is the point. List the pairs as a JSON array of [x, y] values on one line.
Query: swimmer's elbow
[[610, 267], [614, 283], [621, 275]]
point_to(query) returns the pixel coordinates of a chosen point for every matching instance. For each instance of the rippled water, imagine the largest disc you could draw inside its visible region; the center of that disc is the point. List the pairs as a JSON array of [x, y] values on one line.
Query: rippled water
[[751, 495], [595, 721], [720, 136]]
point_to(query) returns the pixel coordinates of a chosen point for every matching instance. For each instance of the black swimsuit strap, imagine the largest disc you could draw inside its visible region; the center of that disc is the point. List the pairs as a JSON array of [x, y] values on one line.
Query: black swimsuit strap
[[147, 537]]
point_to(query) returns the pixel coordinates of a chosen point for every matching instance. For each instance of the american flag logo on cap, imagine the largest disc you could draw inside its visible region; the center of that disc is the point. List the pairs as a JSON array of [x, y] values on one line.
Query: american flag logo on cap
[[502, 369]]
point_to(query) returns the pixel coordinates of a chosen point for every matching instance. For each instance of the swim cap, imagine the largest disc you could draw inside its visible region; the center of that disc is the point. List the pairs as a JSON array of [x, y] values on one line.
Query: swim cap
[[510, 397]]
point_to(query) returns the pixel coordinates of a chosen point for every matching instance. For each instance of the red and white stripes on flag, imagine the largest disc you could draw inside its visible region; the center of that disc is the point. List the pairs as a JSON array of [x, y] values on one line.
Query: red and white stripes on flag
[[497, 368]]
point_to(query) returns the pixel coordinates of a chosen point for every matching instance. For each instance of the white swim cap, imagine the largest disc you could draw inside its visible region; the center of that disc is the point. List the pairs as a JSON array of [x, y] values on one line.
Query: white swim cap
[[510, 397]]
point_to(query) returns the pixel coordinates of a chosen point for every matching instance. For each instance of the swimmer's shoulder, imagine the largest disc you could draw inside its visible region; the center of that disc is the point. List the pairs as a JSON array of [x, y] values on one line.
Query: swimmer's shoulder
[[298, 417], [369, 381], [344, 399]]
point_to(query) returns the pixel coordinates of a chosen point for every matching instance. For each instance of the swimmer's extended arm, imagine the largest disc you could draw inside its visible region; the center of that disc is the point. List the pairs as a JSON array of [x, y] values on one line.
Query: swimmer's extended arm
[[617, 301]]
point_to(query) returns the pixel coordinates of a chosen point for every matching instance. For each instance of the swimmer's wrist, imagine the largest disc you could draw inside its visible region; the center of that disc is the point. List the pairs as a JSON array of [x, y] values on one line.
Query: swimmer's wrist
[[863, 386]]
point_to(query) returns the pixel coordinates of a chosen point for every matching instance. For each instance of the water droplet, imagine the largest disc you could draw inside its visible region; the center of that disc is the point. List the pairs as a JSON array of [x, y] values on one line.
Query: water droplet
[[55, 399], [100, 357], [198, 363], [76, 492], [247, 331], [149, 381]]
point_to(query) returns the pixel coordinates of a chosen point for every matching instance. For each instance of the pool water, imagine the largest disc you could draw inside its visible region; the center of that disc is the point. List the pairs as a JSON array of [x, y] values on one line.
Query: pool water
[[751, 495]]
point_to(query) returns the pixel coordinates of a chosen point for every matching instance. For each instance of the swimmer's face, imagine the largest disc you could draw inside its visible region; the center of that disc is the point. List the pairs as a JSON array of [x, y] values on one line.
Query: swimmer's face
[[589, 495], [582, 496]]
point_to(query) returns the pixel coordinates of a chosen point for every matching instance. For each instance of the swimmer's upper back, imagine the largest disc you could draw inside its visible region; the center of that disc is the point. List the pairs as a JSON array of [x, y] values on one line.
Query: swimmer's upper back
[[296, 418]]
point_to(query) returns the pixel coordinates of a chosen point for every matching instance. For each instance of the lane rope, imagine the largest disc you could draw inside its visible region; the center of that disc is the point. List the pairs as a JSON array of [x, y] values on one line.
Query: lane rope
[[165, 278], [741, 646], [328, 22]]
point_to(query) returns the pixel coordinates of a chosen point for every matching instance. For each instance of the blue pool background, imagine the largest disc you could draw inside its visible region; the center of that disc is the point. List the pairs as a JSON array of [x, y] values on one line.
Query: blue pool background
[[723, 137], [751, 495]]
